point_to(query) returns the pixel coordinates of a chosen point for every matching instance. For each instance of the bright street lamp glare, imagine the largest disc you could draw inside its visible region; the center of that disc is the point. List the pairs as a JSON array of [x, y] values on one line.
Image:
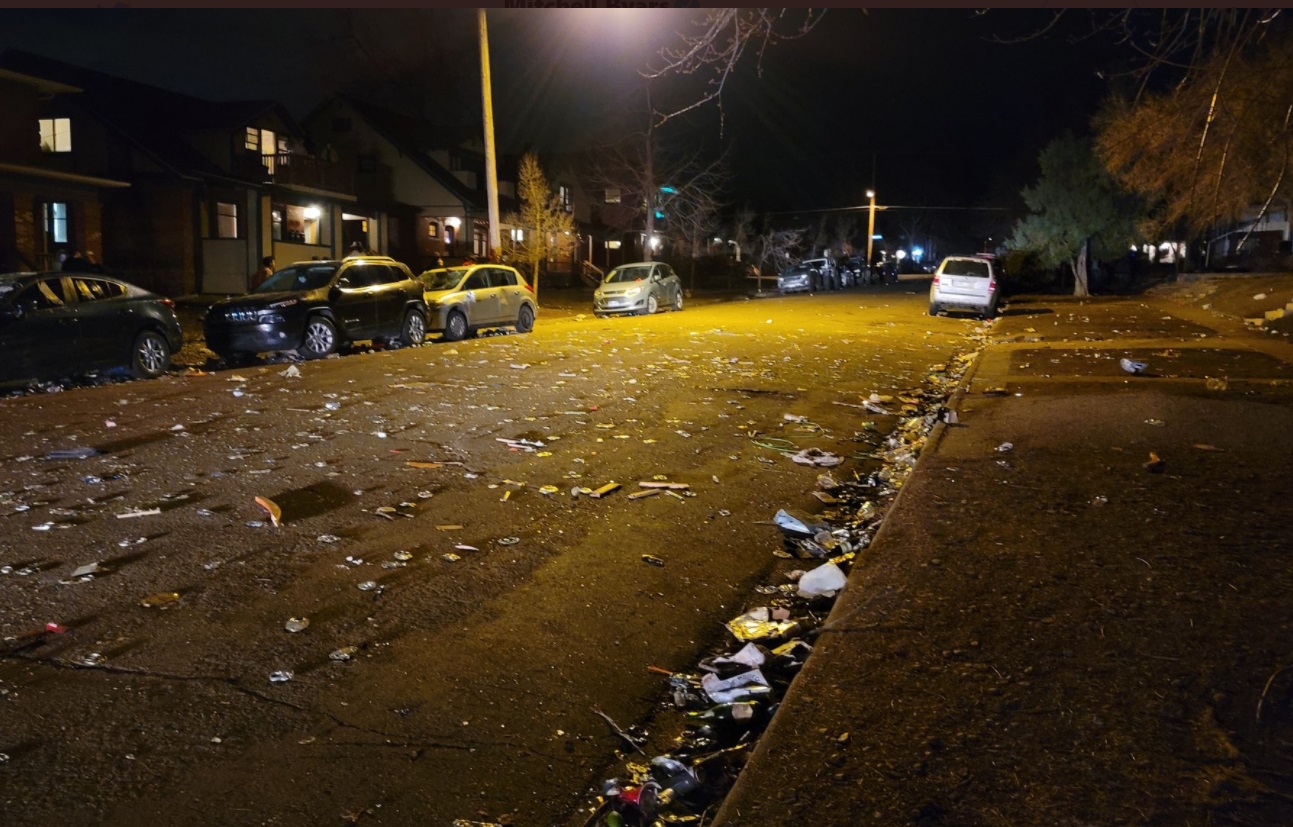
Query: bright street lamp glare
[[870, 193]]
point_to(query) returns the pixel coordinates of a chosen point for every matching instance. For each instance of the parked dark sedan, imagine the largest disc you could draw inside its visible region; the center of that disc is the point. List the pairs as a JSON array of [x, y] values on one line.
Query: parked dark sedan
[[315, 307], [54, 325]]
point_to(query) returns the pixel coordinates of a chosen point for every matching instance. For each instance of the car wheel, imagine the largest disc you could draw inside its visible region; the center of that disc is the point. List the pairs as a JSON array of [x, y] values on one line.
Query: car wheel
[[677, 301], [524, 319], [933, 308], [652, 305], [455, 327], [151, 355], [320, 337], [414, 329]]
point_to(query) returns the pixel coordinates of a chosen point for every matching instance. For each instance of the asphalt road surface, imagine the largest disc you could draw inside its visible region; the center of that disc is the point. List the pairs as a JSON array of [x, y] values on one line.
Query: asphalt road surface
[[488, 619]]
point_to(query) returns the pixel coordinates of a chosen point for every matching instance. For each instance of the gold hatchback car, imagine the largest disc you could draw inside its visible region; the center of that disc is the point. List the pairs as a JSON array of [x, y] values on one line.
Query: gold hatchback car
[[464, 300]]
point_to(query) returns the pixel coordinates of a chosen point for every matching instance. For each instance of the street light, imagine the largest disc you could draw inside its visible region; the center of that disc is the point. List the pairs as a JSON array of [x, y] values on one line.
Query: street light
[[870, 227]]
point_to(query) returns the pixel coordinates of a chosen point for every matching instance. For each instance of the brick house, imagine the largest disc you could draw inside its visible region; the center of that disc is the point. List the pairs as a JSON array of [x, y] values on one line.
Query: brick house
[[431, 198], [212, 186], [44, 206]]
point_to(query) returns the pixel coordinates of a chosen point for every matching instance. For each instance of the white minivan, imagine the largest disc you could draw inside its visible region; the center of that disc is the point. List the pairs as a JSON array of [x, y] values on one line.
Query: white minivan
[[965, 283]]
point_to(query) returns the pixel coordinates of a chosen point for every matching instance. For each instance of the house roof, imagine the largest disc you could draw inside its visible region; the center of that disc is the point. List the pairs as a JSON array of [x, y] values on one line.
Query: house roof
[[409, 136], [131, 109]]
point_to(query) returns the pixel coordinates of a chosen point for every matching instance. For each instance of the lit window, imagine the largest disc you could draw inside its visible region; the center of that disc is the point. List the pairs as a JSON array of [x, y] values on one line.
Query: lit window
[[613, 195], [55, 134], [252, 139], [226, 220], [612, 245], [563, 193], [56, 222]]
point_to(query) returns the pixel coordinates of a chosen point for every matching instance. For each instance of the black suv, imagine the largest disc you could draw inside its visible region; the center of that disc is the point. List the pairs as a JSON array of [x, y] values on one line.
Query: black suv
[[314, 307]]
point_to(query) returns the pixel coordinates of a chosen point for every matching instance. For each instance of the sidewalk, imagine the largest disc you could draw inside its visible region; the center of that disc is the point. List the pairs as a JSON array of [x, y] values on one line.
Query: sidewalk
[[1088, 627]]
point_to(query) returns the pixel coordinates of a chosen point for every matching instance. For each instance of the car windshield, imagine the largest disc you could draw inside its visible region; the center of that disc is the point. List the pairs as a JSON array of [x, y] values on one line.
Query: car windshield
[[299, 277], [446, 279], [965, 267], [624, 274]]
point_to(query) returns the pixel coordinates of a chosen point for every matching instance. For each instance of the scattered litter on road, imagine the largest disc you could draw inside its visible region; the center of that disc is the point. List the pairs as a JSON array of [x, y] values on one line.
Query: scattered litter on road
[[368, 585], [282, 676], [160, 600], [1005, 447], [825, 580], [1203, 446], [1157, 423], [1216, 383], [652, 560], [650, 492], [763, 623], [271, 508], [450, 557], [1155, 464], [608, 488], [292, 372], [296, 624], [145, 512], [1131, 366], [816, 457], [344, 653], [84, 452]]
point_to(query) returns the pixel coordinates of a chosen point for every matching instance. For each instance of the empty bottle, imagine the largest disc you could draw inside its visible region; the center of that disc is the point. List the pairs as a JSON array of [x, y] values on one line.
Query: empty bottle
[[737, 712]]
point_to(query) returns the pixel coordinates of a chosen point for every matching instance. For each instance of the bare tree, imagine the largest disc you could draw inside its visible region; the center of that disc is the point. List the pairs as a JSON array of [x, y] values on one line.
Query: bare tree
[[714, 48], [646, 177], [693, 217], [547, 229]]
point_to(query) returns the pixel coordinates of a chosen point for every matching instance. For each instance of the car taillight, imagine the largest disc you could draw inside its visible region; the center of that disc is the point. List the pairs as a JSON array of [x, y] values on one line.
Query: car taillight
[[168, 303], [992, 284], [529, 287], [935, 280]]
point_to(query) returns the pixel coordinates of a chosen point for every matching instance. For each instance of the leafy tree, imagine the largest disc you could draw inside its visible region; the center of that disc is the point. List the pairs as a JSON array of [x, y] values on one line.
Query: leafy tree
[[1076, 210], [1211, 147], [547, 229]]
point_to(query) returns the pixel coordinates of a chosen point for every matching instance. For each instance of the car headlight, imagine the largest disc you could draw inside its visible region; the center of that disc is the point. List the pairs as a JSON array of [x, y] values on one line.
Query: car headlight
[[632, 291]]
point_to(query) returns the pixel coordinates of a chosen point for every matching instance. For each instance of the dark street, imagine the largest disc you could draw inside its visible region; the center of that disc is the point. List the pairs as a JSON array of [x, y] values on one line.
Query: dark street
[[488, 617]]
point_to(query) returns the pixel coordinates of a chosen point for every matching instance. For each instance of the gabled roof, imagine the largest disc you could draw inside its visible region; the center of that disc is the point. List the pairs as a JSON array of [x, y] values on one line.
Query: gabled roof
[[132, 110], [409, 136]]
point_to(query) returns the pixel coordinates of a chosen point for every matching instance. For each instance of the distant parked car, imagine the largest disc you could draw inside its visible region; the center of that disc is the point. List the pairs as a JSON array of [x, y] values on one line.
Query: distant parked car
[[638, 289], [463, 300], [825, 274], [68, 324], [965, 283], [796, 278], [315, 307]]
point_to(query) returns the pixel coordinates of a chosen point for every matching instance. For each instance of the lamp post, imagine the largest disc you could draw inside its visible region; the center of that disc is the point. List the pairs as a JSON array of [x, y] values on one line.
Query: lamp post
[[870, 227], [491, 166]]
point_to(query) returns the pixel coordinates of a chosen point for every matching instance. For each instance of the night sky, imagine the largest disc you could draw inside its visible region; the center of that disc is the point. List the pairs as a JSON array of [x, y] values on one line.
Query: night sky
[[945, 116]]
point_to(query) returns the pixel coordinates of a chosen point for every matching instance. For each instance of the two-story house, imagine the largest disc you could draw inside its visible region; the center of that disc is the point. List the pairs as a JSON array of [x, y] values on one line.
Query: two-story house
[[45, 207], [213, 186], [428, 197]]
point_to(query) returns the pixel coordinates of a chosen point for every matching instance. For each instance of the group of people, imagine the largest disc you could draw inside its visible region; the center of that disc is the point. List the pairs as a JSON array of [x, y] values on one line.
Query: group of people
[[77, 262]]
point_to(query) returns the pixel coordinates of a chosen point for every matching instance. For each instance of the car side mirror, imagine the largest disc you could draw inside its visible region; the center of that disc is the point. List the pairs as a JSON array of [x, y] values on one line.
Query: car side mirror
[[344, 281]]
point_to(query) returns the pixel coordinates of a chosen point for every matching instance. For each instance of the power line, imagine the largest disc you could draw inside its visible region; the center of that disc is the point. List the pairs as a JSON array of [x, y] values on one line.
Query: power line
[[865, 207]]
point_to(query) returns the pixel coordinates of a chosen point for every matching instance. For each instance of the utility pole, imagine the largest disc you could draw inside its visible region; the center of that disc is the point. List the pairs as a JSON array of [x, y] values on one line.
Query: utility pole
[[870, 227], [491, 162]]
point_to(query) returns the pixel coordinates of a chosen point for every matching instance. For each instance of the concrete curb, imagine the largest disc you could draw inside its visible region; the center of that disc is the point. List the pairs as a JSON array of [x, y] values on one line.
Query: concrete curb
[[851, 600]]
